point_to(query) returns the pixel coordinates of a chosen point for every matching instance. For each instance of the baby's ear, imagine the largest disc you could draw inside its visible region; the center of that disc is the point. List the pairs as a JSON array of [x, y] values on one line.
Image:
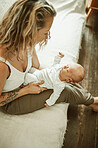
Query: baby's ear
[[78, 82], [70, 81]]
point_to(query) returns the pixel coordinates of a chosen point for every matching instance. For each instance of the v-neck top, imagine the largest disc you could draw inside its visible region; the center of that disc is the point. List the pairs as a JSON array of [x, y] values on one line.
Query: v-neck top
[[16, 78]]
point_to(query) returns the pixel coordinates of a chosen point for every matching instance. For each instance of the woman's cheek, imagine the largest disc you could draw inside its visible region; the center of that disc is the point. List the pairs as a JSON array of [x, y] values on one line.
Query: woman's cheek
[[38, 39]]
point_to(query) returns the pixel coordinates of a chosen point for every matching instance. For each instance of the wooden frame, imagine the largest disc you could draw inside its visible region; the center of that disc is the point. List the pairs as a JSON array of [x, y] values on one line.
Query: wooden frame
[[91, 5]]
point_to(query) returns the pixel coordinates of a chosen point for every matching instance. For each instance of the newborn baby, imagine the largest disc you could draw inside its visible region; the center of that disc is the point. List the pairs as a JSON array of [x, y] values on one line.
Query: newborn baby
[[56, 77]]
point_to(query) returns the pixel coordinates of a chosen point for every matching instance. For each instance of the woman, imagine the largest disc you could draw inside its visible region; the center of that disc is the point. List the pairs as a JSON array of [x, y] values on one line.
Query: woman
[[27, 23]]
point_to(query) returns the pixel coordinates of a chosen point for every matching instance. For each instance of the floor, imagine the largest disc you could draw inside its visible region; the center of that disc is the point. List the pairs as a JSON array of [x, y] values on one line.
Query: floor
[[82, 130]]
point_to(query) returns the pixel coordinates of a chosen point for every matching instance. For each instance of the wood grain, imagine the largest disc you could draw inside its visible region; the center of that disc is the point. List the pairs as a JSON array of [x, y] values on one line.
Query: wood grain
[[82, 130]]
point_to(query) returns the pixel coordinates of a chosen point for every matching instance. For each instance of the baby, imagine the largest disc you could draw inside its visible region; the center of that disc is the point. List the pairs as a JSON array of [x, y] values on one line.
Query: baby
[[56, 77]]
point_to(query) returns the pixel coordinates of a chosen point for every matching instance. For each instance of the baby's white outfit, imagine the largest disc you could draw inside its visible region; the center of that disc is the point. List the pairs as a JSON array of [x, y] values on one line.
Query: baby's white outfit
[[50, 76]]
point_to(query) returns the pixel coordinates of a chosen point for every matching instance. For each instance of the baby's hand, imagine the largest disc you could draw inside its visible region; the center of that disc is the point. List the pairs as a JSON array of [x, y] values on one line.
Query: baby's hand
[[61, 54], [46, 105]]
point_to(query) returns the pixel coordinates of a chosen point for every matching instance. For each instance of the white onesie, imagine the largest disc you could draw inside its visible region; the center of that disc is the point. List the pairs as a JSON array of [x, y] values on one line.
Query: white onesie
[[50, 76]]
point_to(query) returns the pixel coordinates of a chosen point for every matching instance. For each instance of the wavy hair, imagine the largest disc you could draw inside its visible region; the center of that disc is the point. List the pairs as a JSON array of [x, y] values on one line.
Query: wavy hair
[[21, 23]]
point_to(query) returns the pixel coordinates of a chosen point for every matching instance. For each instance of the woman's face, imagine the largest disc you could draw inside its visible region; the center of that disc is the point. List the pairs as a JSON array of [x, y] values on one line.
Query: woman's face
[[43, 33]]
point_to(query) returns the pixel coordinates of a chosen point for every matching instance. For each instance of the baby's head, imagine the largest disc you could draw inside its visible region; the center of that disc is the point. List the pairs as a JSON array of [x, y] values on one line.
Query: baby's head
[[73, 73]]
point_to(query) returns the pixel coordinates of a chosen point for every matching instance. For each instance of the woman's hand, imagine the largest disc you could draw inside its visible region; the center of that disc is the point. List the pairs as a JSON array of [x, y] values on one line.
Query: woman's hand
[[34, 88]]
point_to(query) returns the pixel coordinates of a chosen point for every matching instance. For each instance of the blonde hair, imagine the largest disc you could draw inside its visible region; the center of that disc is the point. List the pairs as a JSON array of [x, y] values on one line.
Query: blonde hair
[[21, 23]]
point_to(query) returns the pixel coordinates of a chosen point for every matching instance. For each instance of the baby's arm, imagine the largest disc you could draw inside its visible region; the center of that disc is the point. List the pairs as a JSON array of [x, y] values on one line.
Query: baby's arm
[[58, 58], [54, 96]]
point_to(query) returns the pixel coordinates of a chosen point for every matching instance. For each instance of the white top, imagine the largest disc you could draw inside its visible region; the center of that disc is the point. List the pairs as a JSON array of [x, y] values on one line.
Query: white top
[[50, 76], [16, 77]]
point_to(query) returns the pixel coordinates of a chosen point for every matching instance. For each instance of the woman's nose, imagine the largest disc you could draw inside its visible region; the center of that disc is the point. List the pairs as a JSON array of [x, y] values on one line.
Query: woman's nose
[[48, 35]]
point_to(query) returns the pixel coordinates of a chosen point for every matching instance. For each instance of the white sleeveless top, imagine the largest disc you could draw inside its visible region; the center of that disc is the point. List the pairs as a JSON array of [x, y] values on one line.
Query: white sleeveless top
[[16, 77]]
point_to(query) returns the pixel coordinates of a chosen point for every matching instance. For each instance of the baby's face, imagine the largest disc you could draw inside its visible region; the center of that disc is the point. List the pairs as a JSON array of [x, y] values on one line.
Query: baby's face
[[66, 73], [69, 73]]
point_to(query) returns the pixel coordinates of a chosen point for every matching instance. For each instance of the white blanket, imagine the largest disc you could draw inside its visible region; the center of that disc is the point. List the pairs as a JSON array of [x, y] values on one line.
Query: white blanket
[[46, 128]]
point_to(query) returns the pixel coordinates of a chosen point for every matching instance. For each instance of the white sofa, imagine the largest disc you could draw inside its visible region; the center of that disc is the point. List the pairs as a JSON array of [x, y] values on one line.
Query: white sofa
[[46, 128]]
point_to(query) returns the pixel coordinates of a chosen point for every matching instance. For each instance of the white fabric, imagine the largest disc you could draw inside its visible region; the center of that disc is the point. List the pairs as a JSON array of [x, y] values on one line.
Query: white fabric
[[11, 82], [46, 128], [65, 32], [42, 129], [50, 76]]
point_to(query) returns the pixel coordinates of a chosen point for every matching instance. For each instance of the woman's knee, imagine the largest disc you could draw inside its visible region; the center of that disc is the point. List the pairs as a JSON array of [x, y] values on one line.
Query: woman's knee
[[71, 94]]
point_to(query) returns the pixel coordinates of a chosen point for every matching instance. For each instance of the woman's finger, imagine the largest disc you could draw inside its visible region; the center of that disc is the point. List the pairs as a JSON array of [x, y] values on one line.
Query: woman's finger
[[38, 83], [43, 88]]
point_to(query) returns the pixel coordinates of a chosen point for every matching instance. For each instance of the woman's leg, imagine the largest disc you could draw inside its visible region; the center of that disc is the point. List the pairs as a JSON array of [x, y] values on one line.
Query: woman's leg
[[73, 94], [27, 103]]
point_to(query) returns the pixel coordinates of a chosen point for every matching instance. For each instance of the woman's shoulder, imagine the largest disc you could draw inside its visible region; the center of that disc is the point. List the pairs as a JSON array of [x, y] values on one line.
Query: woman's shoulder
[[4, 70], [3, 66], [4, 74]]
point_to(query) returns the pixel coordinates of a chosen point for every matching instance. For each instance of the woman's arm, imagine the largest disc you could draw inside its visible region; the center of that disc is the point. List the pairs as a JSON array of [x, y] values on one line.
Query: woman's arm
[[32, 88], [10, 96]]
